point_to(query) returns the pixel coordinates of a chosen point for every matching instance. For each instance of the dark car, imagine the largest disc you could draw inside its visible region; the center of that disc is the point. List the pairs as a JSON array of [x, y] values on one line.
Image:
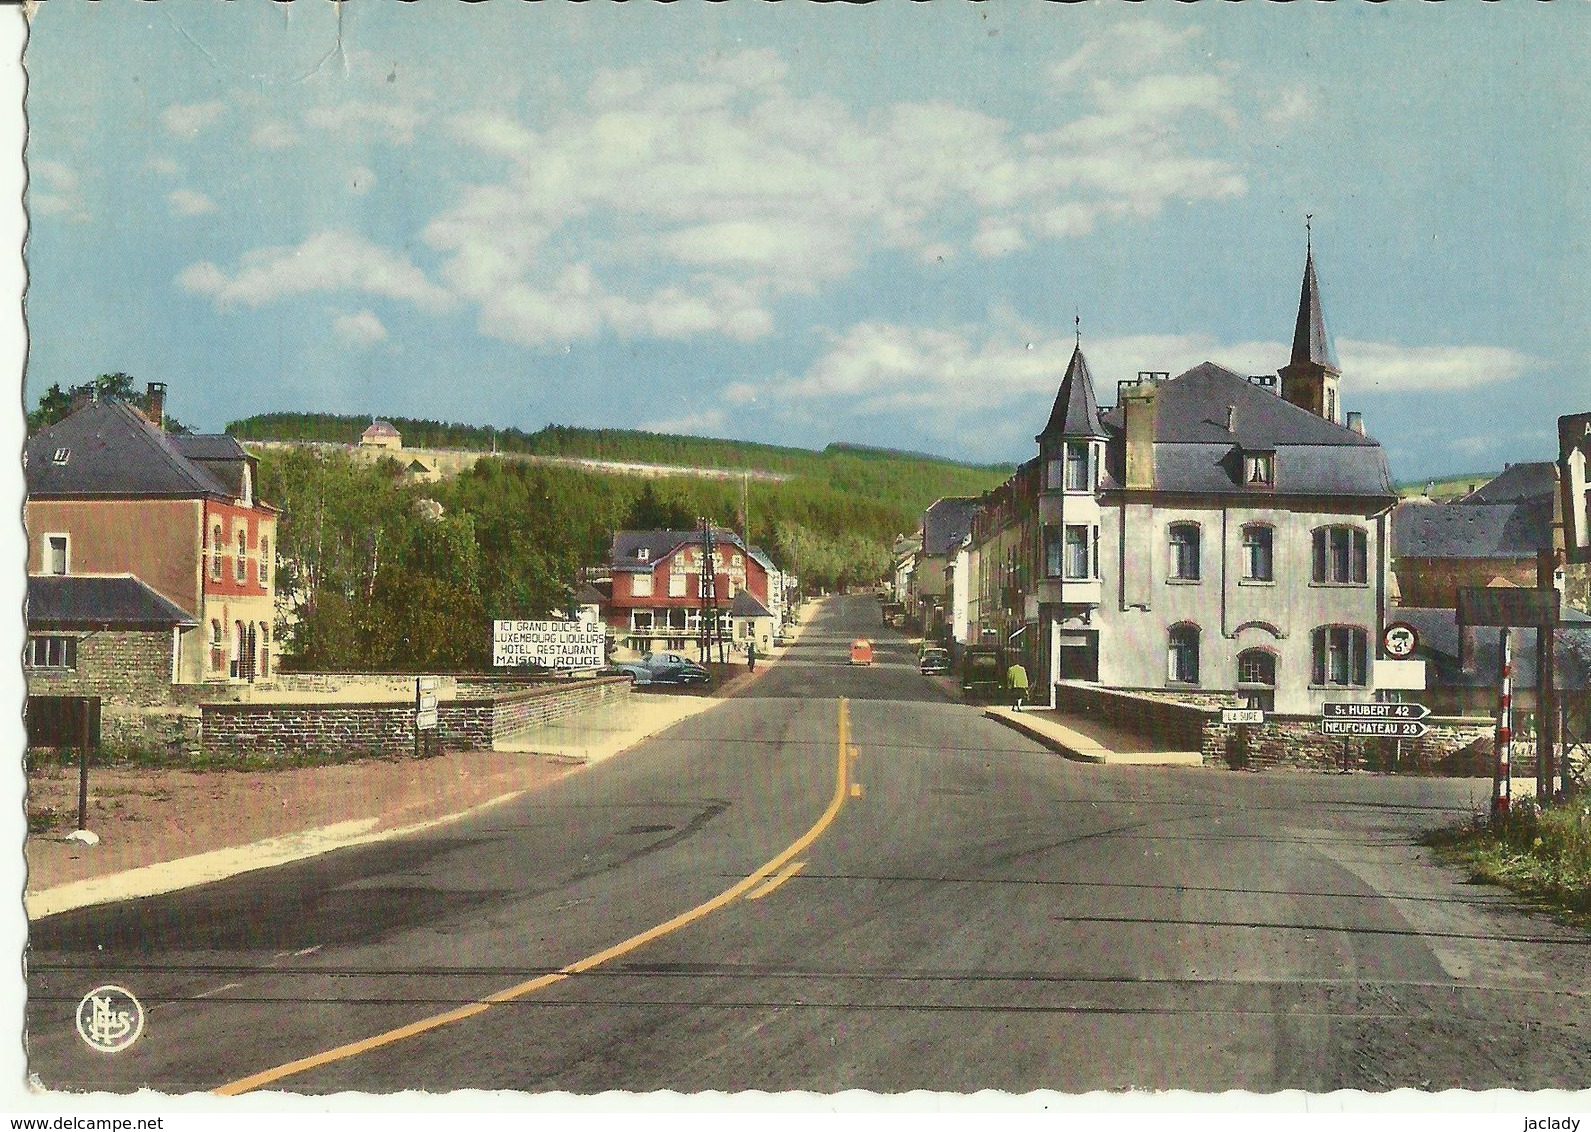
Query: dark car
[[982, 676], [933, 661], [638, 673], [672, 668]]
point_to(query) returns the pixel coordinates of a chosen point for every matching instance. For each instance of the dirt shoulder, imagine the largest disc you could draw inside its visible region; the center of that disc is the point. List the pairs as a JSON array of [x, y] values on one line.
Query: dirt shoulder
[[146, 816]]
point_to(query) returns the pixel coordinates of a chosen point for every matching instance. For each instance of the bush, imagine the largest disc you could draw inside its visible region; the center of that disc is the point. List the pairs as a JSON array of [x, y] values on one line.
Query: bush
[[1543, 854]]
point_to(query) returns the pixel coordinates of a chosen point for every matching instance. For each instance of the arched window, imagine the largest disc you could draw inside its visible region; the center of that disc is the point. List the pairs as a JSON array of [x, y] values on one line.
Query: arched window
[[217, 657], [1185, 552], [1258, 559], [1182, 654], [1340, 656], [1256, 678], [241, 565], [215, 552]]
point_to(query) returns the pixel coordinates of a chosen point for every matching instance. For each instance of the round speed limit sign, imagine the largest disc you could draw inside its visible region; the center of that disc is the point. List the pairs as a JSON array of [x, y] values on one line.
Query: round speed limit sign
[[1400, 640]]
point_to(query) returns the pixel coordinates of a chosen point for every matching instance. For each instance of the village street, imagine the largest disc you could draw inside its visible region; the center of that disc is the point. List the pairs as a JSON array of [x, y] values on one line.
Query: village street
[[742, 903]]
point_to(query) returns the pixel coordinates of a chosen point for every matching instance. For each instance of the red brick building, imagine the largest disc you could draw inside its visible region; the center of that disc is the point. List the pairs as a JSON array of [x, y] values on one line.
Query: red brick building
[[657, 601]]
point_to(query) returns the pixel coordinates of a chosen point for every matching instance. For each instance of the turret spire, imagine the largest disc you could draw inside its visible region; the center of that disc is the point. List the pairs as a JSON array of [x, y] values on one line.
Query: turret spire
[[1309, 380]]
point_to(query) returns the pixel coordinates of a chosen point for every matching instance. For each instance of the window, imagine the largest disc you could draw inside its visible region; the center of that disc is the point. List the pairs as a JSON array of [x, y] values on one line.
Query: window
[[1077, 559], [248, 485], [1340, 655], [1259, 469], [1257, 563], [265, 561], [60, 455], [1183, 654], [216, 657], [641, 585], [1331, 404], [640, 620], [1340, 556], [642, 554], [1052, 552], [265, 649], [1256, 666], [241, 563], [215, 552], [51, 652], [676, 584], [56, 559], [1078, 477], [1185, 552], [1054, 475]]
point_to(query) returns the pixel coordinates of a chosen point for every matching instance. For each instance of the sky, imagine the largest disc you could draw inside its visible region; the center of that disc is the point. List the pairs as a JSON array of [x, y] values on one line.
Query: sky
[[805, 223]]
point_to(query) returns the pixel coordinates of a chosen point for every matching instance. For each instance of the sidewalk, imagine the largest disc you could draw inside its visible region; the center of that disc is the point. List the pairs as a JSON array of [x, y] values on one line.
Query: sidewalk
[[1088, 741], [170, 828]]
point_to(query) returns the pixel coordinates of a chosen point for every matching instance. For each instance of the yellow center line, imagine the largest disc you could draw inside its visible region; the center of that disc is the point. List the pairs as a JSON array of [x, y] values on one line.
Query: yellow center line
[[470, 1010], [779, 878]]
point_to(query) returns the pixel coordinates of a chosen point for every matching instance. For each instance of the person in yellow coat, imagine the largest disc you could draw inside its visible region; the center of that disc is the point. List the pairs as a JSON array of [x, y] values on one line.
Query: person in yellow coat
[[1016, 678]]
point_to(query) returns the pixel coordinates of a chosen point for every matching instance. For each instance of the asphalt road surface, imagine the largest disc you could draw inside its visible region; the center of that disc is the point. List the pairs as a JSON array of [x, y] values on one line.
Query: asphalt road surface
[[845, 879]]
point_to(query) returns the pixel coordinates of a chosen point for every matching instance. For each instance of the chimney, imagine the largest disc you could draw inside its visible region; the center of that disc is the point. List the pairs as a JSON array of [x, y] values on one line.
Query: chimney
[[155, 404], [1138, 409], [1231, 418], [1356, 421]]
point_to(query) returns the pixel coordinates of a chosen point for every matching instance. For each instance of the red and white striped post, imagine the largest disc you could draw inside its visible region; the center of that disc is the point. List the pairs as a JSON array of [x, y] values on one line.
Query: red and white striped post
[[1502, 782]]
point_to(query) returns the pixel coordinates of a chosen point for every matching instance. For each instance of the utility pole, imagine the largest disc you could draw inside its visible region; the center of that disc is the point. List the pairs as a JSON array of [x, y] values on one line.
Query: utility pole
[[709, 593], [1547, 761], [1502, 774]]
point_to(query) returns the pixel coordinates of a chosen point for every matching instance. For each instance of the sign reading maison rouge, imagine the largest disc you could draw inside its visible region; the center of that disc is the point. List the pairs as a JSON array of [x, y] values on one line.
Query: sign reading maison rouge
[[548, 644]]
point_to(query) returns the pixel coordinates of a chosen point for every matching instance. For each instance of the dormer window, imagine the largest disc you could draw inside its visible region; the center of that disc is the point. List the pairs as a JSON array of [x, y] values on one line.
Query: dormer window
[[60, 456], [642, 554], [1259, 469]]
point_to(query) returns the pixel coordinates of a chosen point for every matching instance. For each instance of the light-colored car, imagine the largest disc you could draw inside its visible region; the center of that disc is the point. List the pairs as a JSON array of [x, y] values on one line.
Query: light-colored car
[[862, 651]]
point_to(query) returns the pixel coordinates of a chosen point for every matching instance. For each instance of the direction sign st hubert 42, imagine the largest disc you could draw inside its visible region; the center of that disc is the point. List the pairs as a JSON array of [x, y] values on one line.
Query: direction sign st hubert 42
[[1337, 710], [1389, 721]]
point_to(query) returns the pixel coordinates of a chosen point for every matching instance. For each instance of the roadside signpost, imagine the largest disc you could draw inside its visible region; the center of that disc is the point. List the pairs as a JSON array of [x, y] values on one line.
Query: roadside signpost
[[425, 714], [1574, 454], [1239, 715], [1400, 640], [570, 645], [1372, 721]]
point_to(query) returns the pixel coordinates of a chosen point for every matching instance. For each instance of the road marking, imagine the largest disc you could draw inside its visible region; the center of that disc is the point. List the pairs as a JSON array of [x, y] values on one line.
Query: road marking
[[437, 1021], [217, 990], [779, 878]]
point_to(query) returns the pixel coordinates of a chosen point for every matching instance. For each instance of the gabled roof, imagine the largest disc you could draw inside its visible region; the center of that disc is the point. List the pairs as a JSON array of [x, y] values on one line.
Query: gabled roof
[[1310, 340], [623, 554], [1516, 483], [946, 523], [116, 600], [380, 428], [109, 449], [746, 605], [1421, 529], [1195, 451], [1076, 411], [594, 593]]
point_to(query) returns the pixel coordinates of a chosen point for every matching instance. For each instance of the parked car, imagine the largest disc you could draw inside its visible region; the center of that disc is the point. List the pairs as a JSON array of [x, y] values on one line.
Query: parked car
[[862, 651], [933, 661], [672, 668], [982, 675], [638, 673]]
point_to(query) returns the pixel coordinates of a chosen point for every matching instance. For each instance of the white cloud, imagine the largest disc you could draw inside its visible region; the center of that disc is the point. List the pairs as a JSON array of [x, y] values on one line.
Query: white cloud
[[393, 122], [1388, 368], [1290, 104], [1129, 45], [708, 422], [163, 166], [54, 189], [273, 134], [362, 329], [360, 180], [331, 261], [187, 202], [189, 120]]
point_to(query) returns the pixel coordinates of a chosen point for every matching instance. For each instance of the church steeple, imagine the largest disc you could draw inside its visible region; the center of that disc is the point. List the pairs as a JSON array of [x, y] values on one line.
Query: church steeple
[[1309, 380]]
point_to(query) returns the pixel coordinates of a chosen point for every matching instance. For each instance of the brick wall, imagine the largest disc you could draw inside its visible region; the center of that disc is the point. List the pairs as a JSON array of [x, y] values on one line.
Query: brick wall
[[1175, 725], [121, 667], [388, 728]]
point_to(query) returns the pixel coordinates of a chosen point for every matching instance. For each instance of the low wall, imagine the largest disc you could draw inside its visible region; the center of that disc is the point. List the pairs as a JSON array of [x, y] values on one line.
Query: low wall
[[387, 728], [1452, 745]]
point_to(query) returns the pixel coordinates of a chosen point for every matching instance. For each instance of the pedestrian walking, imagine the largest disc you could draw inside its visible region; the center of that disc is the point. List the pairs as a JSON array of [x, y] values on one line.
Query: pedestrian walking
[[1016, 679], [751, 655]]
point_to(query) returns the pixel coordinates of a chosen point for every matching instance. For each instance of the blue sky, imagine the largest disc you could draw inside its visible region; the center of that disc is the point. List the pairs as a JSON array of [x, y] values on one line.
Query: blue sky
[[805, 223]]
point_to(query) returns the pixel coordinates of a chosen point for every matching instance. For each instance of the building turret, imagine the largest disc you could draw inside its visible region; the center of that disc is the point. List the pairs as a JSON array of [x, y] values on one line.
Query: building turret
[[1310, 379]]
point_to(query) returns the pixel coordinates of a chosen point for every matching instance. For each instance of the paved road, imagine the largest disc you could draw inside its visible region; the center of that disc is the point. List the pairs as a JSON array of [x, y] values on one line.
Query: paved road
[[743, 903]]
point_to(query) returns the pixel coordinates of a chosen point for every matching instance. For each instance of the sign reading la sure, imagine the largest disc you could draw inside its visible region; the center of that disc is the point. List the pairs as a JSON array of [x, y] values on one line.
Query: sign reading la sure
[[548, 644]]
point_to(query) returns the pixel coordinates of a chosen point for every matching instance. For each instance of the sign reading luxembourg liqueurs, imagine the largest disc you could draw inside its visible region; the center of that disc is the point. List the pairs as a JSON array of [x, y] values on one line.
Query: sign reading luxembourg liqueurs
[[548, 644]]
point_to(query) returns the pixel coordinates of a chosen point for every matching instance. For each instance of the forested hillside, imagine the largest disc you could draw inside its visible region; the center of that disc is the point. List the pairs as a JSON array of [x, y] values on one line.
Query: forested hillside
[[376, 580]]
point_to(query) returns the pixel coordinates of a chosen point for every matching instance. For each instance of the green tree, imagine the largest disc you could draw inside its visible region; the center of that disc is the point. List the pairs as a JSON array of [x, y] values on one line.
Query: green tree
[[56, 403]]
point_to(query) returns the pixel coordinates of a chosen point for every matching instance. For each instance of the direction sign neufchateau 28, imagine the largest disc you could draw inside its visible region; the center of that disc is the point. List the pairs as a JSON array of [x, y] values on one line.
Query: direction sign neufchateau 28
[[1388, 721]]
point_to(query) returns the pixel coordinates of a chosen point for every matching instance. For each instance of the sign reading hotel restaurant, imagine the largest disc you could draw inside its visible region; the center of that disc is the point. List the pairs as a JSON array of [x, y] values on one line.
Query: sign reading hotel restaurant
[[547, 644]]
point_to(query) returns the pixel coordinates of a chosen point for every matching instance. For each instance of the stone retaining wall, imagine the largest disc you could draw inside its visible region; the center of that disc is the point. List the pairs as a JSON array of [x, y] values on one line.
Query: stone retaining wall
[[388, 728]]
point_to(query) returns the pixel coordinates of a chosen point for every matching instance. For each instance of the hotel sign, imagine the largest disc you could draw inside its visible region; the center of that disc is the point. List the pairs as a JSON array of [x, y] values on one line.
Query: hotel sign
[[548, 644]]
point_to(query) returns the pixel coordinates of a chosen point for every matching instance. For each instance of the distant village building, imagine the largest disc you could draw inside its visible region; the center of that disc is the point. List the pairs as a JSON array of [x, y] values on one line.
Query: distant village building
[[150, 558], [380, 434], [1210, 536], [946, 524]]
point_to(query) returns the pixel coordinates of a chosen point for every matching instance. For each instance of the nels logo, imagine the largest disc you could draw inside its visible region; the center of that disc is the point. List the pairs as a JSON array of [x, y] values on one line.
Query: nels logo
[[110, 1019]]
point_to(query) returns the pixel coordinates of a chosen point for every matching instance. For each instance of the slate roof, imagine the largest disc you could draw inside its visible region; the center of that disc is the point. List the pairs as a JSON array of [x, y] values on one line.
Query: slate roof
[[121, 601], [594, 593], [380, 428], [1439, 648], [946, 523], [1194, 451], [1517, 482], [1076, 411], [111, 450], [746, 605], [1422, 529], [659, 544], [1311, 343]]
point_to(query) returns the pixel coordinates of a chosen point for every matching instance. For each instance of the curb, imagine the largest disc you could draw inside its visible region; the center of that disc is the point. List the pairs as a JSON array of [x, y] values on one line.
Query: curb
[[1045, 739]]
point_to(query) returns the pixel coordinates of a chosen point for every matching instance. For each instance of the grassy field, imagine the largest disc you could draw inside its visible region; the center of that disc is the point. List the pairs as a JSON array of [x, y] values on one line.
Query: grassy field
[[1544, 856], [1446, 490]]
